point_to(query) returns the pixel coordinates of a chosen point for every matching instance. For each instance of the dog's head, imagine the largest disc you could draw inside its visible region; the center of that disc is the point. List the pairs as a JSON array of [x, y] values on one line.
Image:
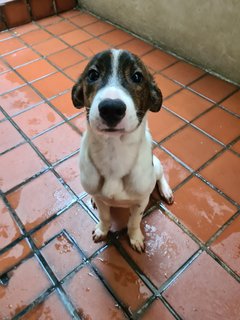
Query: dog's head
[[117, 91]]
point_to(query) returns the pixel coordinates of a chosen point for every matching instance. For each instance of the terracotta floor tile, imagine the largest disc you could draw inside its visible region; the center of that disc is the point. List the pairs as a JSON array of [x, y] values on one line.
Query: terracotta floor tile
[[64, 104], [35, 37], [13, 256], [28, 200], [201, 209], [60, 28], [20, 57], [76, 36], [30, 165], [2, 117], [192, 147], [52, 307], [50, 46], [9, 81], [209, 292], [65, 58], [53, 84], [37, 120], [227, 246], [99, 28], [75, 71], [70, 13], [166, 86], [5, 34], [9, 230], [224, 174], [80, 122], [137, 47], [219, 124], [24, 28], [19, 100], [187, 104], [77, 223], [49, 20], [167, 248], [82, 19], [9, 136], [116, 37], [158, 60], [10, 45], [173, 171], [69, 171], [157, 309], [162, 124], [236, 147], [3, 67], [35, 70], [91, 47], [58, 143], [62, 256], [122, 279], [232, 103], [213, 88], [86, 285], [183, 72], [20, 290]]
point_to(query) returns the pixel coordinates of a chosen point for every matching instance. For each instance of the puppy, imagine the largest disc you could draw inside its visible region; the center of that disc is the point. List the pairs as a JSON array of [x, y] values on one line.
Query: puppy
[[117, 167]]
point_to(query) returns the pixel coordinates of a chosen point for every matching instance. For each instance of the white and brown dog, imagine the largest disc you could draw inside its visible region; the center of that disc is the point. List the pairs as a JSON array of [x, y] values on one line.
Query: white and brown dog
[[117, 167]]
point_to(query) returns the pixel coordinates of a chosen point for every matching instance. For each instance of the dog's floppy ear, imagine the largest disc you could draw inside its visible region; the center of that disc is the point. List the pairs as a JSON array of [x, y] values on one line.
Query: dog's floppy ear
[[156, 97], [77, 94]]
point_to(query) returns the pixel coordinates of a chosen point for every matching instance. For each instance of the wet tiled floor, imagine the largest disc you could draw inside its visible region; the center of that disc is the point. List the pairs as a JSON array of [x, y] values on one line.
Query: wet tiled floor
[[49, 266]]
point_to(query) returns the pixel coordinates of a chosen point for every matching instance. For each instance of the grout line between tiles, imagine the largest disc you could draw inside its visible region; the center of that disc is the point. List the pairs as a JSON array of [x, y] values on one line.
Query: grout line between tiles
[[202, 245], [88, 262], [38, 300], [221, 229], [42, 262]]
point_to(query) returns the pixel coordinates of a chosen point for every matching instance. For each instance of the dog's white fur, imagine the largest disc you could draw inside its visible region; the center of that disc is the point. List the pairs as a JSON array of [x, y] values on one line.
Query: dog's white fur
[[125, 161]]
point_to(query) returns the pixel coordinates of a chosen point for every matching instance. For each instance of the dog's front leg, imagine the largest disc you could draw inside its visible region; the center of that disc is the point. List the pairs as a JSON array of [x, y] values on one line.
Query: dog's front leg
[[134, 226], [102, 228]]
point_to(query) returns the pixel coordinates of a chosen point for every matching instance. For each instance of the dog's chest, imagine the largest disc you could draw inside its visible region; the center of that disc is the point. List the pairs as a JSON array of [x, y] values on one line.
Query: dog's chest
[[113, 159], [125, 168]]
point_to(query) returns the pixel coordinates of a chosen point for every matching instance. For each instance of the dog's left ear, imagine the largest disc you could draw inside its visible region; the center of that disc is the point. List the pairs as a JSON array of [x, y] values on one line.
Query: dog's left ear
[[77, 94], [156, 97]]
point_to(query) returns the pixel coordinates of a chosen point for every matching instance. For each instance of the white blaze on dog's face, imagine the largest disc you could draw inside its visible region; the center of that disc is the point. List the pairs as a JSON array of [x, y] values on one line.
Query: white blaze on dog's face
[[117, 90]]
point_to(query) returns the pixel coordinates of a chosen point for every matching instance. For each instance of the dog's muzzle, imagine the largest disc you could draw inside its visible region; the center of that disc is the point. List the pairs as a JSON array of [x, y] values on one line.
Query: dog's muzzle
[[112, 111]]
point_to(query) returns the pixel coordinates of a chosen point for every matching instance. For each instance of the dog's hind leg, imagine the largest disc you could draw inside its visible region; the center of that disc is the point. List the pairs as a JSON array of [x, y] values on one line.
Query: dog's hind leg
[[162, 184], [102, 228], [134, 229]]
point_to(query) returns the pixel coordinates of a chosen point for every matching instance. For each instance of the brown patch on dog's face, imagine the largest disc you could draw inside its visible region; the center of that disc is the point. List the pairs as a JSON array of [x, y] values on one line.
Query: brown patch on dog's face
[[94, 77], [135, 78]]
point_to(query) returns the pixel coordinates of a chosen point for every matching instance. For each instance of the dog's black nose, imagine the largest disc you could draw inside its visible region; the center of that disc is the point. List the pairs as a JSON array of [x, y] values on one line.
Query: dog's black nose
[[112, 111]]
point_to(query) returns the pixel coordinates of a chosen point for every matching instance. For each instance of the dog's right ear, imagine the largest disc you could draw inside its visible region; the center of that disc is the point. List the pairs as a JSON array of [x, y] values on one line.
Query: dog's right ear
[[77, 94]]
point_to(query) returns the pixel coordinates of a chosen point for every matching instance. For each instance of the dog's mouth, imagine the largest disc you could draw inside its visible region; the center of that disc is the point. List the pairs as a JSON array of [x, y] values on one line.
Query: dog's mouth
[[113, 130]]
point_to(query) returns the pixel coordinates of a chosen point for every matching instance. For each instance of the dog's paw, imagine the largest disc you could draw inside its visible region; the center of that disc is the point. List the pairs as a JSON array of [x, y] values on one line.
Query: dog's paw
[[98, 234], [93, 204], [166, 193], [137, 240], [169, 198]]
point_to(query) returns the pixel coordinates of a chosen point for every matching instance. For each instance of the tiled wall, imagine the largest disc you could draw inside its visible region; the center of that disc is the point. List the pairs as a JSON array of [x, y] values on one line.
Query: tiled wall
[[18, 12]]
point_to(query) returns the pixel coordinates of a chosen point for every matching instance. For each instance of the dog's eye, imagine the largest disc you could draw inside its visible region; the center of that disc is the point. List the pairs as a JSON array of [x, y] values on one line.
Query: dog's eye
[[93, 75], [137, 77]]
